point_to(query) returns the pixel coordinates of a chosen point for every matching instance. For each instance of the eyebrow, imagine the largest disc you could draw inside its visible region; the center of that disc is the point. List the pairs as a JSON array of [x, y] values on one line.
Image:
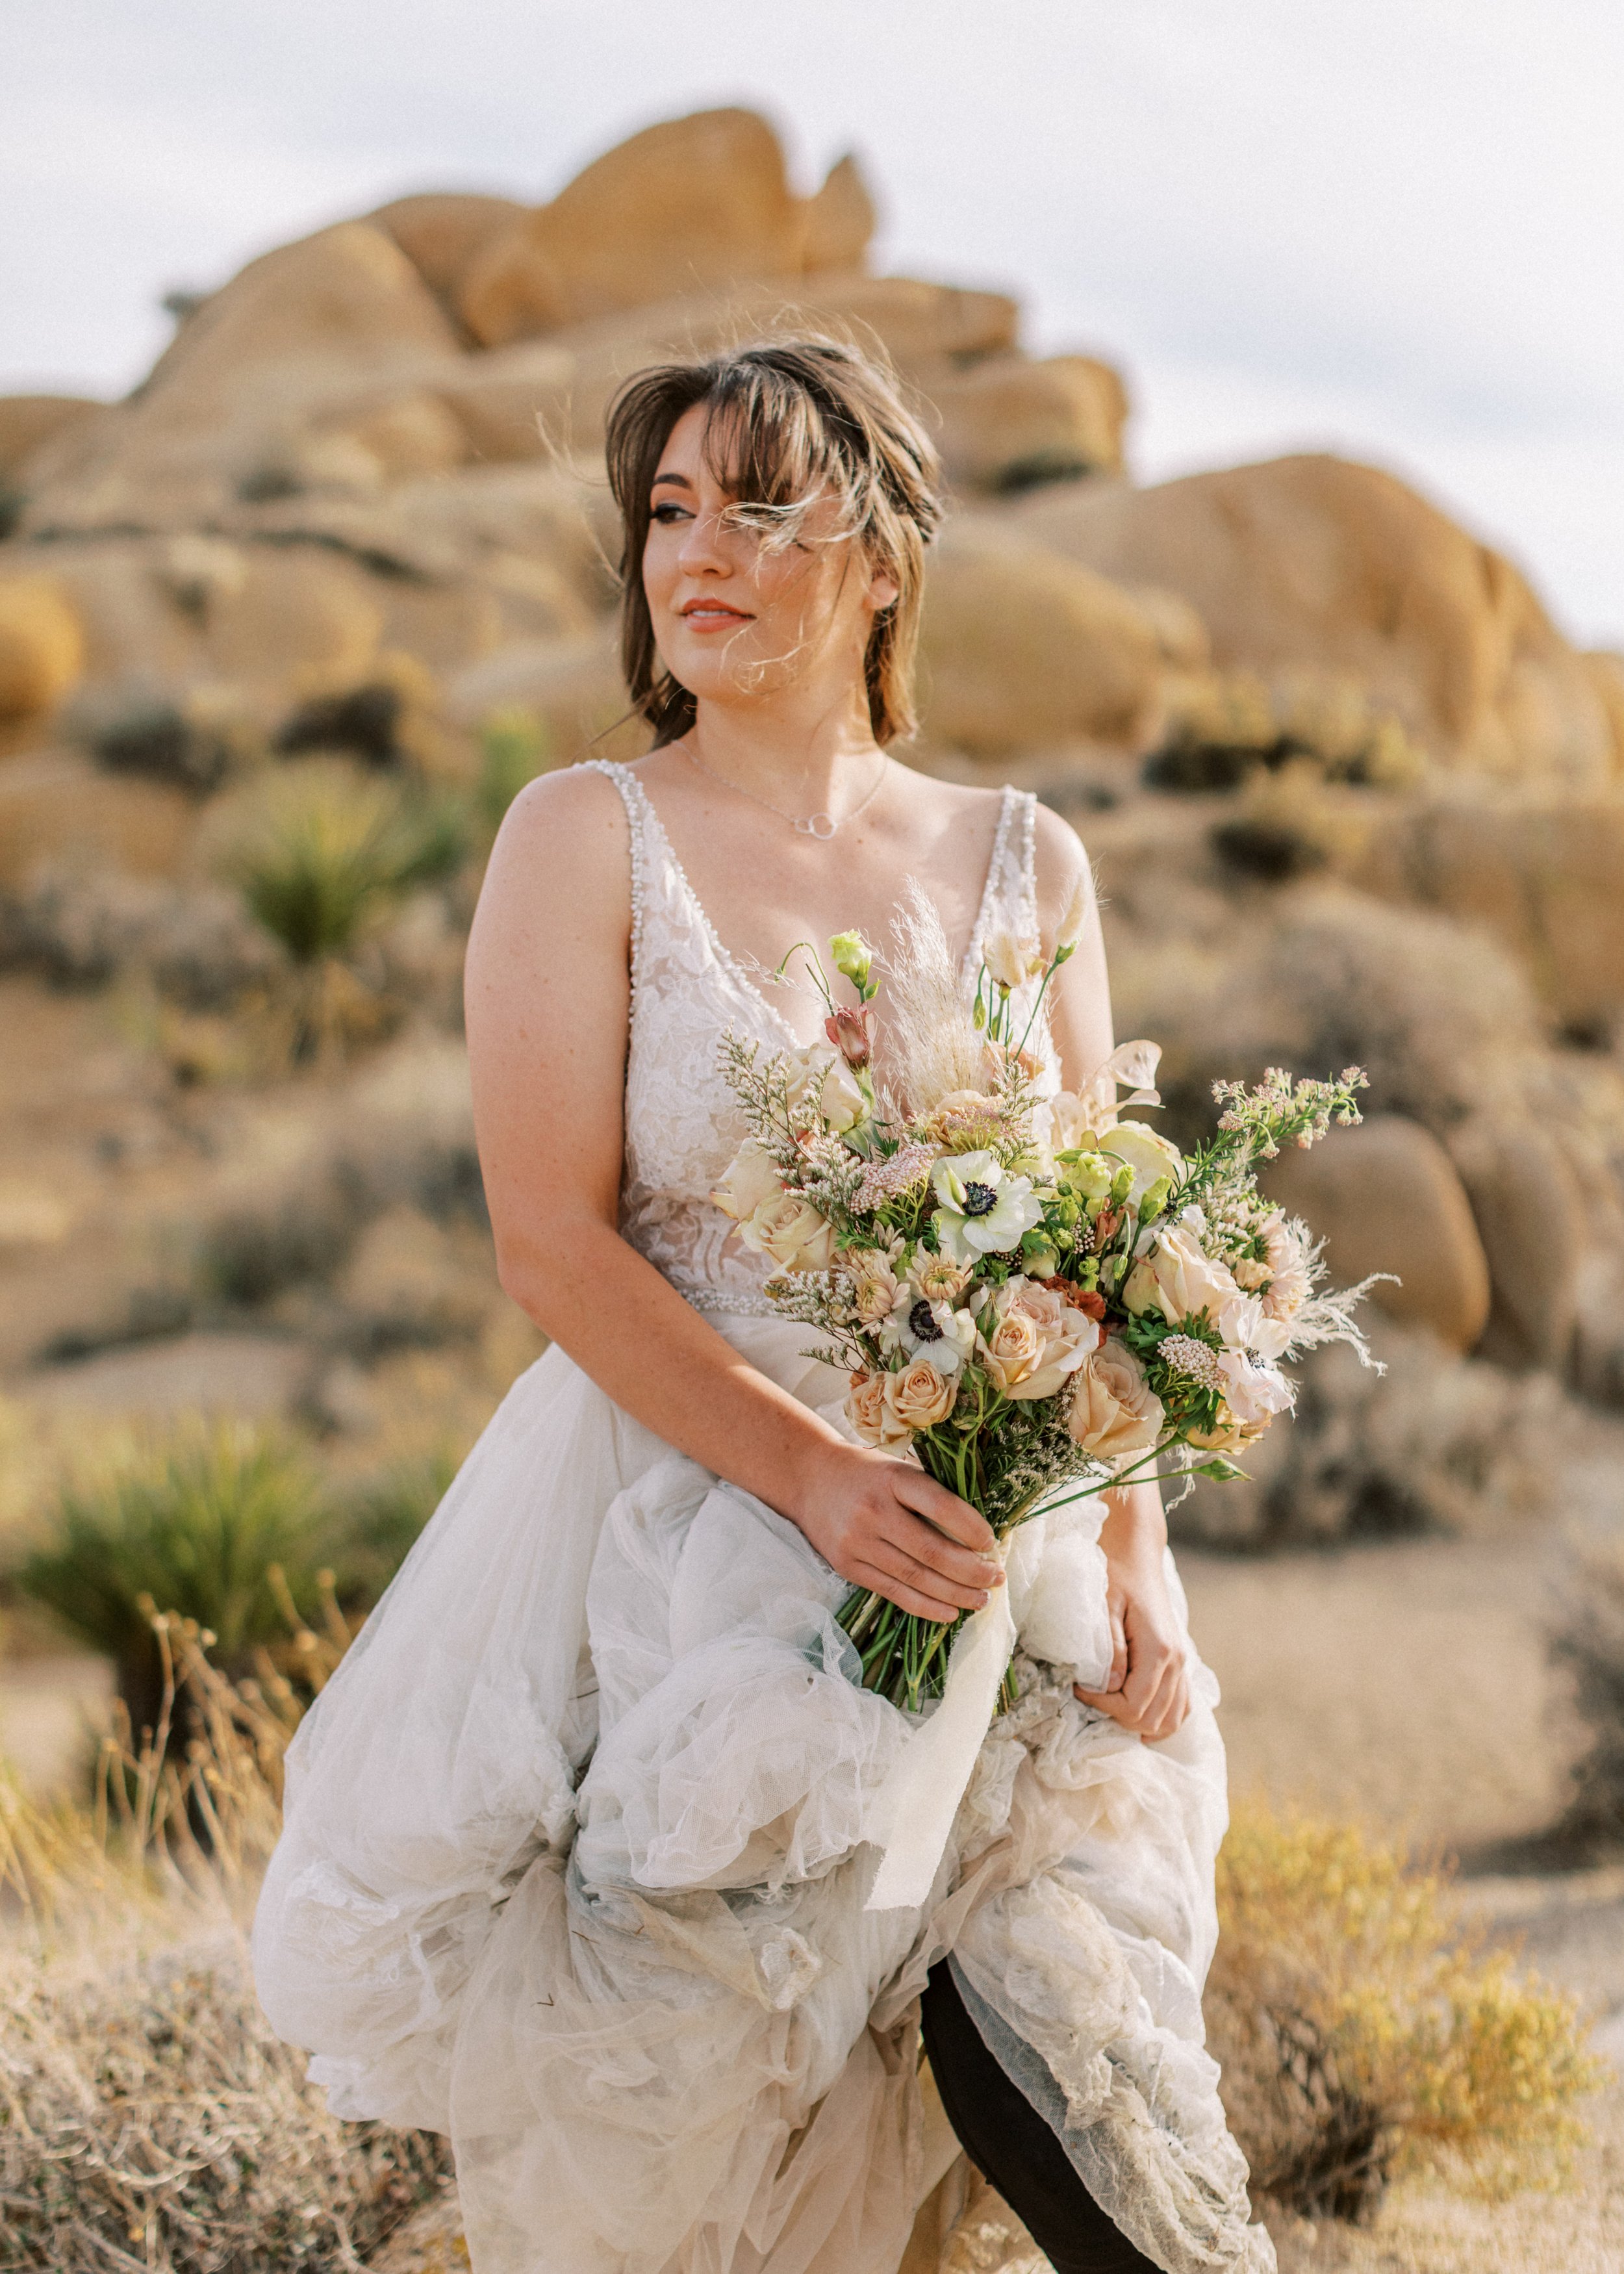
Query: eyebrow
[[682, 479]]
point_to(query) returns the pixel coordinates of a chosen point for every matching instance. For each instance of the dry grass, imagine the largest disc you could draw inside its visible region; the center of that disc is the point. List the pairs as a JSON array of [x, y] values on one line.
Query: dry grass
[[1365, 2035], [148, 2118]]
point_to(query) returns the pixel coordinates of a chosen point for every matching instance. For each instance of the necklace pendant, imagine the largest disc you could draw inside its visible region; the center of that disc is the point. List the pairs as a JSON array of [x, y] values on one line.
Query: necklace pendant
[[818, 824]]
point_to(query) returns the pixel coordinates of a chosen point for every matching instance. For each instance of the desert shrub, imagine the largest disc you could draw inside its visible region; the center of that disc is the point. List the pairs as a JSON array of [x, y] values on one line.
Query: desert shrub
[[1226, 728], [199, 1521], [1364, 2035], [365, 721], [152, 2109], [14, 505], [1441, 1018], [1588, 1644], [514, 748], [188, 739], [148, 2118], [1437, 1443], [83, 928], [322, 854]]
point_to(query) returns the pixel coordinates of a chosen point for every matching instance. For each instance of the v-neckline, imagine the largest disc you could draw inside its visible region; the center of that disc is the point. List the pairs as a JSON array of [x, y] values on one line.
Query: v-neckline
[[739, 973]]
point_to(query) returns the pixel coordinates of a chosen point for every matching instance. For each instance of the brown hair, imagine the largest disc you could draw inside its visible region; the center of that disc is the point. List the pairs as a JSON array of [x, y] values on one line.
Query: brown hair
[[791, 421]]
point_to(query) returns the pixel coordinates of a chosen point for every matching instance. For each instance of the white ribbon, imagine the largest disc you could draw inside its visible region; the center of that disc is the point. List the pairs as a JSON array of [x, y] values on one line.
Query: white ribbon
[[1054, 1595]]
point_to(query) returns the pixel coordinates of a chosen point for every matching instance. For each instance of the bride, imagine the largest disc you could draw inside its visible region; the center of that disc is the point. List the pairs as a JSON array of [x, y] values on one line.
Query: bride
[[582, 1841]]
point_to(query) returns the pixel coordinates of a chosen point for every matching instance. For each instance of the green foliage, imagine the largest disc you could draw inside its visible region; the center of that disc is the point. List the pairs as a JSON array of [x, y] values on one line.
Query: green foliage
[[515, 747], [323, 854], [1363, 2034], [191, 1522], [379, 1521]]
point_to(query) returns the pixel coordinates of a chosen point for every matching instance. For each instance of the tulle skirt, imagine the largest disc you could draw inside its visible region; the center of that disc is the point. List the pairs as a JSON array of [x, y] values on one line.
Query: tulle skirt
[[580, 1848]]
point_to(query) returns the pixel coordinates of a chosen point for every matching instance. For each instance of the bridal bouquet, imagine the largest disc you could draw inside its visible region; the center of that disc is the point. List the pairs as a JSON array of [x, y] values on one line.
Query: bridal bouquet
[[1027, 1292]]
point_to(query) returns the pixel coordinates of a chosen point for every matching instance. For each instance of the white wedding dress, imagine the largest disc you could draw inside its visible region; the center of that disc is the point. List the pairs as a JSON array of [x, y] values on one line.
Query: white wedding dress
[[581, 1841]]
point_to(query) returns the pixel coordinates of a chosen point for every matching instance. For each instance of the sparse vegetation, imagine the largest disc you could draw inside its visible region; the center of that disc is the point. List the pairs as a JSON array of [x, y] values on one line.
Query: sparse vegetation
[[147, 732], [1364, 2035], [1225, 729], [222, 1524], [149, 2117], [1589, 1643]]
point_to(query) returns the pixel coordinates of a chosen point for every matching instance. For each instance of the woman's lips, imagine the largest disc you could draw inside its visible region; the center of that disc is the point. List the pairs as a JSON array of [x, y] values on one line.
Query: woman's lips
[[712, 616]]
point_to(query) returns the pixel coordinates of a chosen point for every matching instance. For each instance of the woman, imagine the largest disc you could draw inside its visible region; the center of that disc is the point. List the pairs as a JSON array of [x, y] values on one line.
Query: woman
[[580, 1841]]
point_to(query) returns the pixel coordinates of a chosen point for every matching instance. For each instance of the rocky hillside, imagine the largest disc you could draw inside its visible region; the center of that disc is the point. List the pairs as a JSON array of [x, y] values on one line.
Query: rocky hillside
[[1353, 792]]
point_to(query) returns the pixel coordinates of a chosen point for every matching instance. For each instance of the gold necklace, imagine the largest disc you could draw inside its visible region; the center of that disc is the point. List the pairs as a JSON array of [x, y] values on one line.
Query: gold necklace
[[821, 825]]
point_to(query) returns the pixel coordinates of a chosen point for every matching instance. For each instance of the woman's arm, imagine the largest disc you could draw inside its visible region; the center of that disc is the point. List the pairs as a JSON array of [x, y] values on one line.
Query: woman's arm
[[548, 996], [1148, 1690]]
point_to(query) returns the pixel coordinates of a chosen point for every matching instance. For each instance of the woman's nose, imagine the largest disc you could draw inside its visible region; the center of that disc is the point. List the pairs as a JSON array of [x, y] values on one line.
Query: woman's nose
[[702, 552]]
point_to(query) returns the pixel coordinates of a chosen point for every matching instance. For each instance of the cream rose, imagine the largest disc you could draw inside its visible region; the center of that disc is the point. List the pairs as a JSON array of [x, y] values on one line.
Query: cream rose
[[919, 1396], [792, 1233], [1146, 1152], [1178, 1280], [1031, 1339], [868, 1412], [1115, 1412], [750, 1179]]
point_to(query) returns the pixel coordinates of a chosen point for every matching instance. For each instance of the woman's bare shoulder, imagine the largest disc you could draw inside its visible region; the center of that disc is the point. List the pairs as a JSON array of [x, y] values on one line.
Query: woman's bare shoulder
[[563, 849]]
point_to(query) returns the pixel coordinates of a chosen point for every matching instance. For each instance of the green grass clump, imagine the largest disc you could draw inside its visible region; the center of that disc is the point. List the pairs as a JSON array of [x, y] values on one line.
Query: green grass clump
[[324, 853], [1364, 2034], [202, 1523]]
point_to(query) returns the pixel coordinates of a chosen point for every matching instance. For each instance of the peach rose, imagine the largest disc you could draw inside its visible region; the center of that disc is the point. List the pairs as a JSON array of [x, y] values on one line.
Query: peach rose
[[1115, 1412], [868, 1411], [1033, 1338], [792, 1233], [919, 1396]]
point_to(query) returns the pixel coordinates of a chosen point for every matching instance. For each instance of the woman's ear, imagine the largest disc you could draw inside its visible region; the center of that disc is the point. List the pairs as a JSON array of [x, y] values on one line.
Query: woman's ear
[[884, 592]]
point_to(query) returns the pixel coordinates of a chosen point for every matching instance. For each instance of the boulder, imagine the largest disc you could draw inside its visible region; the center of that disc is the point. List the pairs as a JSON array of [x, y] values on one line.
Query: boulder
[[1009, 425], [414, 433], [60, 807], [1541, 871], [299, 618], [1385, 1196], [692, 203], [27, 422], [41, 647], [1532, 1220], [572, 687], [1313, 562], [441, 232], [226, 400], [1021, 647], [1605, 672], [838, 223]]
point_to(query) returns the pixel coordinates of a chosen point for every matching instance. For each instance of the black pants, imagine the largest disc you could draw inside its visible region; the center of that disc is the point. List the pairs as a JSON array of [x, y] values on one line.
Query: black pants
[[1010, 2145]]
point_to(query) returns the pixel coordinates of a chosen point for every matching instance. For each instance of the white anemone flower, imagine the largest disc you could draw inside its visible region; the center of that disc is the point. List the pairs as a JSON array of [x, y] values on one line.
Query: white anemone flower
[[923, 1329], [982, 1209]]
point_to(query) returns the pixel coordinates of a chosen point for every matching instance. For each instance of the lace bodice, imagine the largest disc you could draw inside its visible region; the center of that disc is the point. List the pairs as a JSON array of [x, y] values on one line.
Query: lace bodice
[[682, 1125]]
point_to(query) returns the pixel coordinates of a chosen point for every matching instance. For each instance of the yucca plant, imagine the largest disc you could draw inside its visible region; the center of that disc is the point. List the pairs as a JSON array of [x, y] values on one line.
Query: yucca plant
[[1365, 2032], [219, 1523], [321, 855]]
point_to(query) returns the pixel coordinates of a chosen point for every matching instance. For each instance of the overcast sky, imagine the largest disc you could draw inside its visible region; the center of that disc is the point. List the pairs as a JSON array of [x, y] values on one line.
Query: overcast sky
[[1389, 227]]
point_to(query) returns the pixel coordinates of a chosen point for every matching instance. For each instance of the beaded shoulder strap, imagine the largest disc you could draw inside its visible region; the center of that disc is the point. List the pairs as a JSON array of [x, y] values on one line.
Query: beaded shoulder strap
[[638, 815]]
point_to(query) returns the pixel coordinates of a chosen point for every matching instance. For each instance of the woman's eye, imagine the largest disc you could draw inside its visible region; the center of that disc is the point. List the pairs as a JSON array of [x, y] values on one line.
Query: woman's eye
[[667, 512]]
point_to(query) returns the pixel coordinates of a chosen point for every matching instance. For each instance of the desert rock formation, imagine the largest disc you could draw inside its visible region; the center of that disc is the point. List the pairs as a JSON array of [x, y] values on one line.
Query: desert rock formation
[[1354, 793]]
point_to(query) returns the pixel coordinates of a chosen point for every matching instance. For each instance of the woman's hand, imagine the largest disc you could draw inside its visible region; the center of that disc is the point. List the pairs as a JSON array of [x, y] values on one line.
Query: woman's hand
[[885, 1524], [1148, 1688]]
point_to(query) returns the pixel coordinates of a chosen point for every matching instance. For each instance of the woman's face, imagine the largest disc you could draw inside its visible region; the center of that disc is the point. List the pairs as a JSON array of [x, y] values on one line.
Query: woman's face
[[736, 616]]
